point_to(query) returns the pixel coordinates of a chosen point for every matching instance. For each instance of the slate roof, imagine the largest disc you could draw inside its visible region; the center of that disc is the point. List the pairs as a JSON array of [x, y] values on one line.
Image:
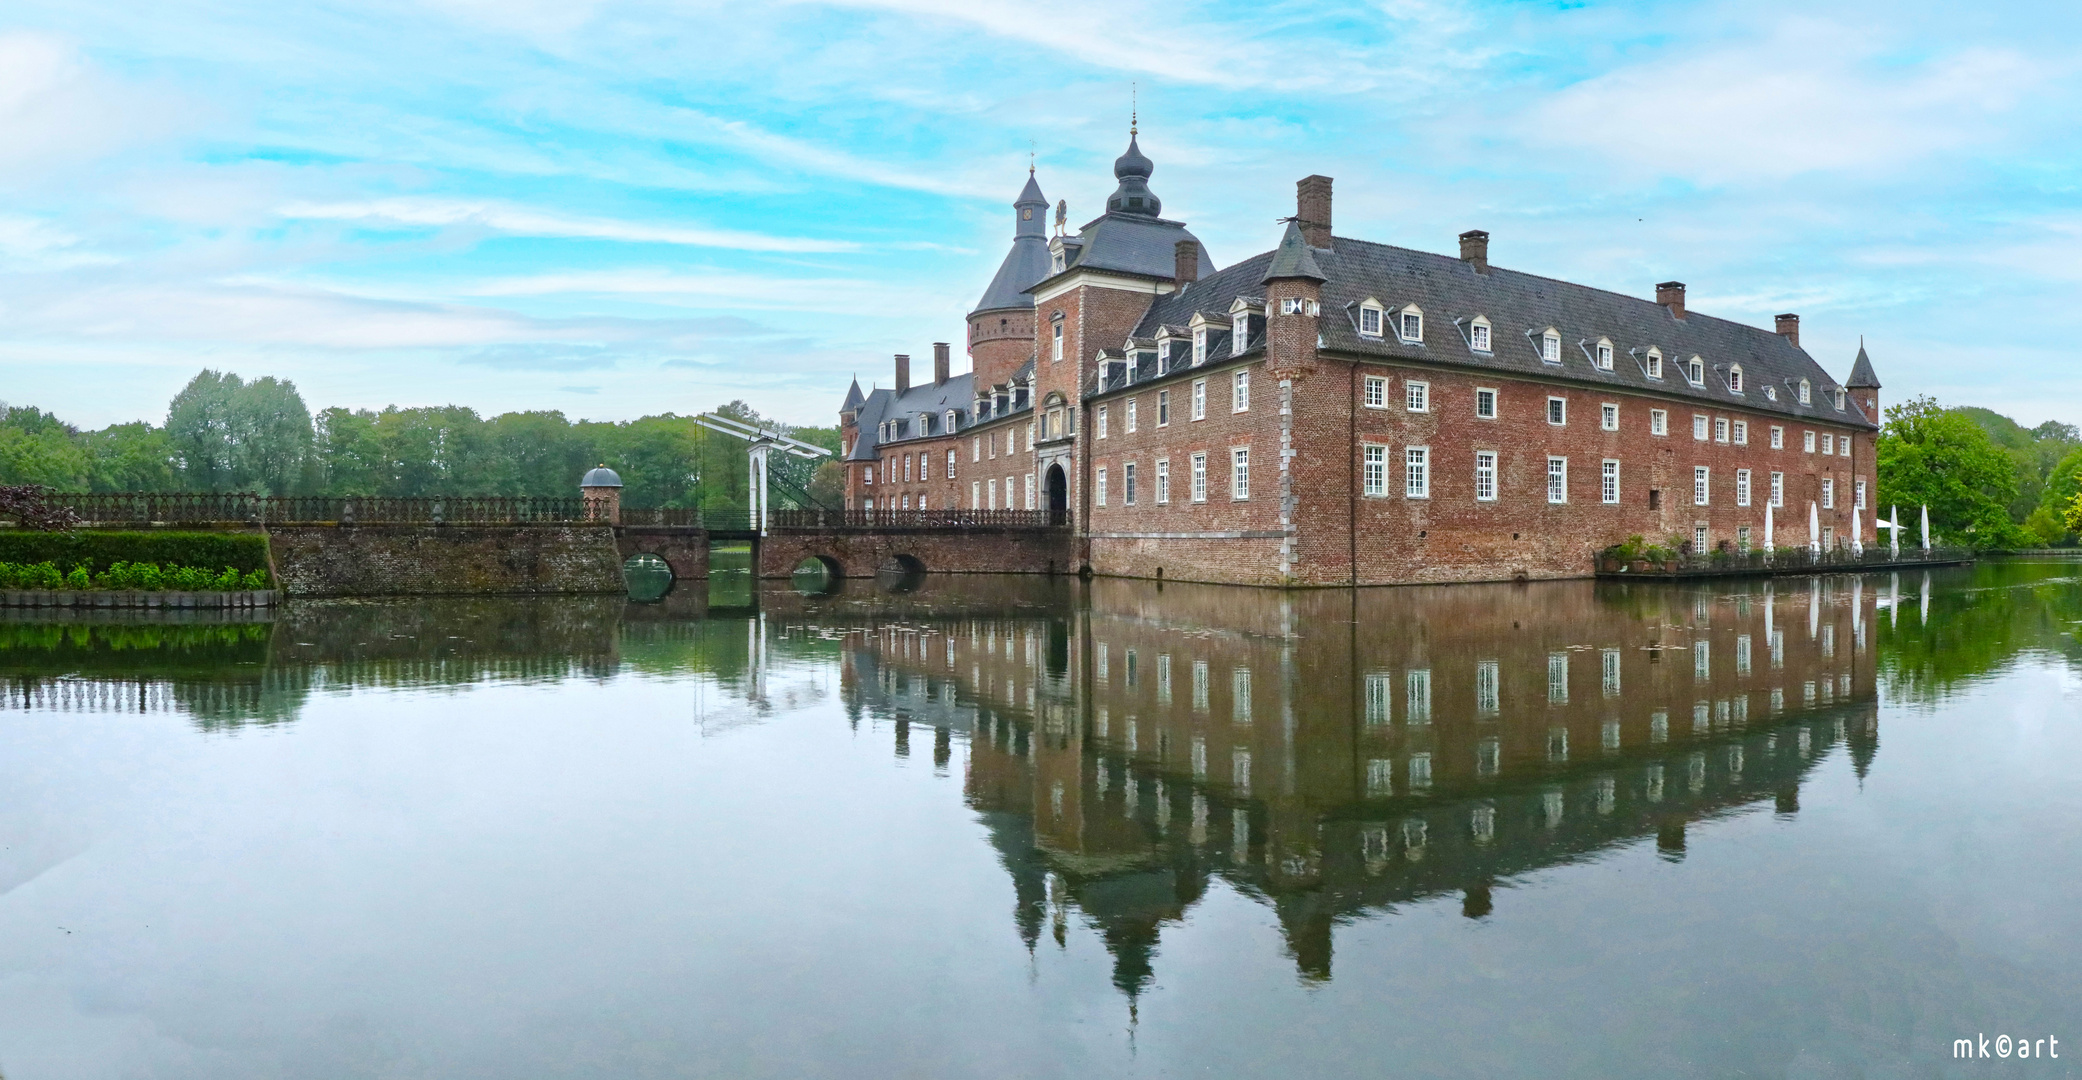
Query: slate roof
[[1024, 265], [1292, 259], [1448, 289], [1130, 243], [854, 397], [1862, 377], [956, 393]]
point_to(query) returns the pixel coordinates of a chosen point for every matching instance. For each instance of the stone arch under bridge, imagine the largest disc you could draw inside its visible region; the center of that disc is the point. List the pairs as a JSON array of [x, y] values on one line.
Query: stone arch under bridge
[[860, 553], [684, 550]]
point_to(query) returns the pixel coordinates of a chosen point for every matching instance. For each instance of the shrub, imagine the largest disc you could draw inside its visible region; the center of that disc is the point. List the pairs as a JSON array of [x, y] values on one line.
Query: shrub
[[127, 576], [99, 550]]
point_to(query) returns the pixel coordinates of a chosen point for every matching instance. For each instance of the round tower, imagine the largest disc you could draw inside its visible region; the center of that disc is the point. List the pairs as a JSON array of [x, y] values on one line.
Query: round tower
[[1001, 328]]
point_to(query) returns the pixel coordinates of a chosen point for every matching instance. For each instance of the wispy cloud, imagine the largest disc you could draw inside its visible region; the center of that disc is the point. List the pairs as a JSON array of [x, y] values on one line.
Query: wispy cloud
[[522, 221]]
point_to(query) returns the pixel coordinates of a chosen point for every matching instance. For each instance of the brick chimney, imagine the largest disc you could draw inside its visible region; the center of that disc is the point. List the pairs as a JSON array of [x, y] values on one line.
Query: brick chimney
[[1186, 262], [1312, 210], [903, 372], [1474, 250], [940, 363], [1789, 328], [1670, 294]]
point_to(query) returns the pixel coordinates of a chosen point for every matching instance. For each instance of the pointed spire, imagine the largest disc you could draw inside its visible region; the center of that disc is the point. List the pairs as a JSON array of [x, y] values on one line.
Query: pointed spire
[[1293, 259], [1132, 169], [1862, 377], [854, 398]]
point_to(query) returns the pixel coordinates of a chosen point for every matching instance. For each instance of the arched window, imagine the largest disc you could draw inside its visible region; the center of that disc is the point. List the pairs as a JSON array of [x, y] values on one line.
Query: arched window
[[1550, 346], [1603, 354], [1806, 393], [1695, 371], [1654, 364], [1410, 325], [1478, 335]]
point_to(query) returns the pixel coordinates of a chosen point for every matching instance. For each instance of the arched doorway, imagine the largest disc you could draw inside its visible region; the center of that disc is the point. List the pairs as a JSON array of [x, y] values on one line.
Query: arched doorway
[[1058, 488]]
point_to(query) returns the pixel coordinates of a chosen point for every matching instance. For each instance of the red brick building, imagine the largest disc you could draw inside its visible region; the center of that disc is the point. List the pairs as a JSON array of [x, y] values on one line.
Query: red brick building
[[1337, 411]]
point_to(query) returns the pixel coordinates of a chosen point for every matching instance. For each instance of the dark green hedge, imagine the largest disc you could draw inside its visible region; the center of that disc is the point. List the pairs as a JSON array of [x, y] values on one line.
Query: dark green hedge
[[96, 550]]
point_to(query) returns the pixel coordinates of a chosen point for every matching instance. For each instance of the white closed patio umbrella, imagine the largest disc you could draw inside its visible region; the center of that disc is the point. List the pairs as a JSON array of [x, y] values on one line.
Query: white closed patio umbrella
[[1814, 529], [1926, 528]]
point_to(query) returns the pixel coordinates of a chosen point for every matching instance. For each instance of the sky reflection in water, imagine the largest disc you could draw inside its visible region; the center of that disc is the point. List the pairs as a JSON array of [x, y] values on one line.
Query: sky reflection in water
[[1020, 827]]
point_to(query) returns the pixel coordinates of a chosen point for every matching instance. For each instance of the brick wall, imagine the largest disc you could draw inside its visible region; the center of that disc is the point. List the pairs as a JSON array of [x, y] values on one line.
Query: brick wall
[[383, 560], [999, 341], [860, 553]]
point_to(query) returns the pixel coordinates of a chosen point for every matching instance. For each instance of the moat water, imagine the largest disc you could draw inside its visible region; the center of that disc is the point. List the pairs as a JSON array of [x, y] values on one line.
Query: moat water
[[1022, 827]]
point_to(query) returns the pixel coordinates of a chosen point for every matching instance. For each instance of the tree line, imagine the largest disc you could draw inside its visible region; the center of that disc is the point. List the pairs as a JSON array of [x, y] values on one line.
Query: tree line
[[1990, 482], [223, 433]]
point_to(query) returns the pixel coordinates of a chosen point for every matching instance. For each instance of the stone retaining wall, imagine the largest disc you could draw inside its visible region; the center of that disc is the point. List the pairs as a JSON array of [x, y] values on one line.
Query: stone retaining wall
[[455, 560]]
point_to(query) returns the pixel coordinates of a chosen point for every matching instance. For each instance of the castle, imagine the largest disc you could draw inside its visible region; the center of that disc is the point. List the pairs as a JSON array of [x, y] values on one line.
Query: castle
[[1337, 411]]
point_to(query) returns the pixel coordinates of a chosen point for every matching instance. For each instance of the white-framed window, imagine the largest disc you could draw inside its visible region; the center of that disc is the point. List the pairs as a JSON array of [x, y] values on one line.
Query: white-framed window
[[1240, 473], [867, 474], [1608, 416], [1859, 487], [907, 468], [1828, 444], [1200, 477], [1370, 319], [1199, 345], [1603, 352], [1417, 396], [976, 448], [1130, 418], [1843, 445], [1778, 489], [1654, 364], [1416, 481], [1055, 347], [1735, 379], [1742, 487], [1699, 426], [1778, 437], [1240, 392], [1720, 429], [1695, 371], [1485, 476], [1098, 486], [1742, 433], [1557, 411], [951, 455], [1374, 470], [907, 500], [1485, 403], [1199, 399], [1608, 481], [1026, 487], [1163, 481], [1478, 335], [1557, 479], [1411, 326], [1807, 394], [976, 495], [1102, 422], [1702, 485], [1837, 394], [1658, 421], [1550, 347], [1699, 548], [1293, 305], [1239, 333], [1807, 441], [1376, 392], [1828, 494], [1163, 408], [1127, 483]]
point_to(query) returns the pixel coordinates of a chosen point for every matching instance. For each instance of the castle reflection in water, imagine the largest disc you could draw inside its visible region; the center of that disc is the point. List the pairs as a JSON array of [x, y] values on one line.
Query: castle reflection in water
[[1334, 754]]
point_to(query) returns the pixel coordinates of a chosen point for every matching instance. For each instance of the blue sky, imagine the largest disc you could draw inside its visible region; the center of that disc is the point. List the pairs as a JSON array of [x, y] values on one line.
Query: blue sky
[[620, 208]]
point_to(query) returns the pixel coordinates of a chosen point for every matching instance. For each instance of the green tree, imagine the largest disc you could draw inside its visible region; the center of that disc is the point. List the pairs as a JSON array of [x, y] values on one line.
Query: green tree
[[230, 435], [349, 453], [128, 457], [1937, 457]]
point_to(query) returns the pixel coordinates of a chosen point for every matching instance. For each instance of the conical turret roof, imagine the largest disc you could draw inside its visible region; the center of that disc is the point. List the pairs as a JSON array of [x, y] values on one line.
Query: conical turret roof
[[854, 398], [1862, 377], [1293, 259]]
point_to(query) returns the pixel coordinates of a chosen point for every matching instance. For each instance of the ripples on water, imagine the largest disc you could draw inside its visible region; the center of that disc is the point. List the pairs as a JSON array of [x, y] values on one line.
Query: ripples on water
[[1032, 827]]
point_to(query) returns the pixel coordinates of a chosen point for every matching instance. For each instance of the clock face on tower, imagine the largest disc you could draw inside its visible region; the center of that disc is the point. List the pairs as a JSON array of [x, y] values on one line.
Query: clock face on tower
[[1026, 214]]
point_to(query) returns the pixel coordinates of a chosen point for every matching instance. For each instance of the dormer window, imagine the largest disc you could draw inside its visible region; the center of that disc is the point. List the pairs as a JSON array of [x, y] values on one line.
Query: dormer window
[[1695, 371], [1771, 393], [1199, 346], [950, 421], [1839, 399], [1806, 393], [1603, 354], [1550, 347], [1478, 335], [1412, 326], [1239, 334], [1654, 364], [1370, 319], [1735, 379], [1055, 262], [925, 423]]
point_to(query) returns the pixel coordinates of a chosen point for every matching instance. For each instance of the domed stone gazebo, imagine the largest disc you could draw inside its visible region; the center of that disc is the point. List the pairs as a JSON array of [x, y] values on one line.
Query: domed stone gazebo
[[601, 489]]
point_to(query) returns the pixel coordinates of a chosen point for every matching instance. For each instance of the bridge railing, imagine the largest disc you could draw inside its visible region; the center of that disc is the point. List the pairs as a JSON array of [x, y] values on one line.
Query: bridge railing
[[916, 519], [221, 508]]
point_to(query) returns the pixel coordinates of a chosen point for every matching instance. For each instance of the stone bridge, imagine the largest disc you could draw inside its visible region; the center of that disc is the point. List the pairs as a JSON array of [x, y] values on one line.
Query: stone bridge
[[859, 545]]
